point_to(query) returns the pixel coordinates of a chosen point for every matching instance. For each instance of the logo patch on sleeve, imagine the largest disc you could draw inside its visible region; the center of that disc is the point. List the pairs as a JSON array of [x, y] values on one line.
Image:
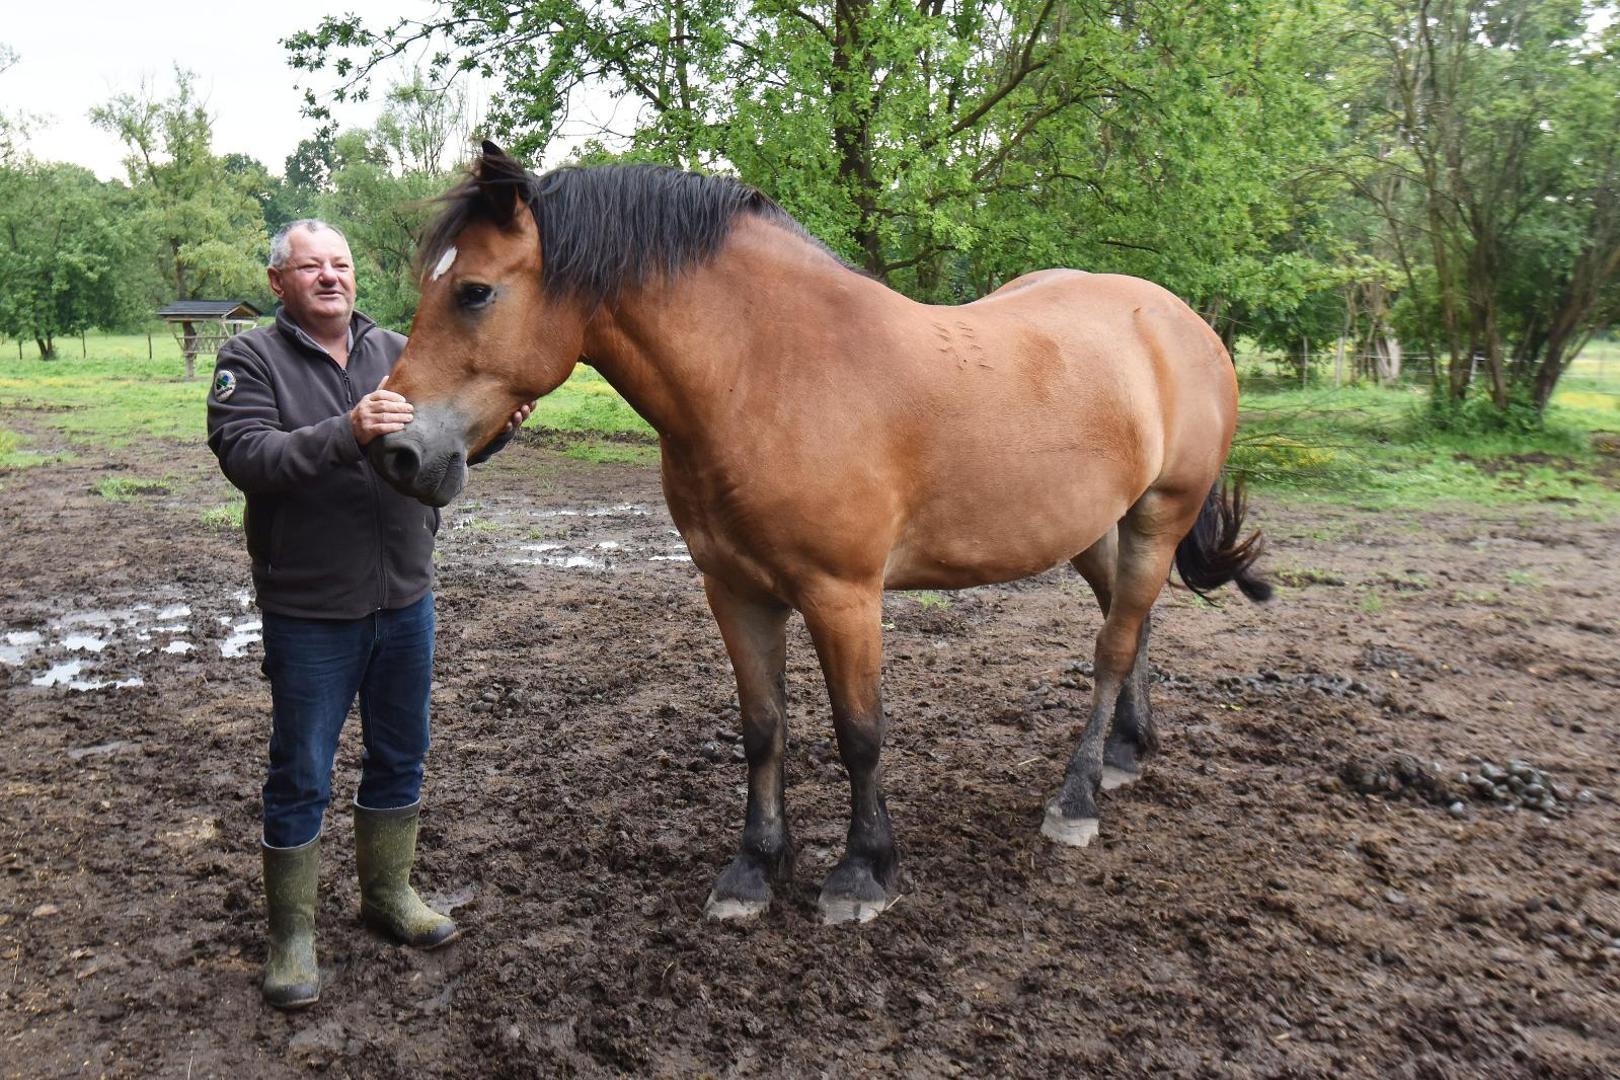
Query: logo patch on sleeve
[[224, 385]]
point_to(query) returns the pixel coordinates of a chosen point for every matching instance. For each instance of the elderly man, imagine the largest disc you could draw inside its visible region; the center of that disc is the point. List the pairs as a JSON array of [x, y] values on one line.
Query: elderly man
[[342, 571]]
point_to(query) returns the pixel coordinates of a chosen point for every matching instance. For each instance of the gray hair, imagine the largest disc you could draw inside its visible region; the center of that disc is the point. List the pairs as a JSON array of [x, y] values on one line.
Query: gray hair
[[280, 245]]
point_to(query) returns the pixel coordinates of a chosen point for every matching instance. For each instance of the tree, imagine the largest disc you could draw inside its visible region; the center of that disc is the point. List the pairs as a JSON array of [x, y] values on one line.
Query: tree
[[1502, 116], [381, 212], [14, 126], [205, 228], [66, 244], [906, 133]]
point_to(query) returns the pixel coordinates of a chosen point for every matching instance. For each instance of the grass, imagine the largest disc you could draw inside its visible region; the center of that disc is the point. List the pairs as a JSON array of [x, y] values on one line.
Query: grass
[[227, 516], [124, 488], [116, 395], [12, 456], [112, 397], [1375, 448], [1363, 446]]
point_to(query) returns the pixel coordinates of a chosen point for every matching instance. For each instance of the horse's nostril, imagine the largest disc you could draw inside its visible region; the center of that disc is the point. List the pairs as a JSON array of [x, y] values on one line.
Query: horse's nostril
[[401, 463]]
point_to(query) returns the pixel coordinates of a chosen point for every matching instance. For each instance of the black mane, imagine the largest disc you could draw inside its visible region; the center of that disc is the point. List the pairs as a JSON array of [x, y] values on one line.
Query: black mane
[[604, 228]]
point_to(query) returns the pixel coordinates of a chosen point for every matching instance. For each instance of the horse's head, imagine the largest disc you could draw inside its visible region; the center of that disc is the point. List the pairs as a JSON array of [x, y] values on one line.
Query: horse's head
[[486, 337]]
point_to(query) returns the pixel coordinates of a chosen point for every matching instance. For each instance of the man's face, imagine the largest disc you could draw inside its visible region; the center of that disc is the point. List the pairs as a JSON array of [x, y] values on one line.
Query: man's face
[[316, 283]]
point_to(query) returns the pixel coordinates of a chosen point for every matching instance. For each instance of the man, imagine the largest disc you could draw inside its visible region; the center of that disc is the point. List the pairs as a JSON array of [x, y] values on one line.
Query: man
[[342, 571]]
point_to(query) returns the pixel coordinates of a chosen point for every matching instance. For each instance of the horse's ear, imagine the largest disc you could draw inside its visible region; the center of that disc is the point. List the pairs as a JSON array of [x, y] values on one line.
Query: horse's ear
[[502, 181]]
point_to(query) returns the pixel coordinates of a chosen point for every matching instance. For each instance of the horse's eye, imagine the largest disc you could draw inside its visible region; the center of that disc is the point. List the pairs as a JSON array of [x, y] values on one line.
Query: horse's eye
[[473, 295]]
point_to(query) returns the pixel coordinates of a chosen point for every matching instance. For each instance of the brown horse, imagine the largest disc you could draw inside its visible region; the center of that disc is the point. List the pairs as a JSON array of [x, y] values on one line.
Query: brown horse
[[824, 439]]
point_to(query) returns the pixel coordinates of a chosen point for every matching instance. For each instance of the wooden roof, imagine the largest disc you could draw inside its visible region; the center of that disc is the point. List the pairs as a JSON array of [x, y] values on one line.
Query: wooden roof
[[209, 309]]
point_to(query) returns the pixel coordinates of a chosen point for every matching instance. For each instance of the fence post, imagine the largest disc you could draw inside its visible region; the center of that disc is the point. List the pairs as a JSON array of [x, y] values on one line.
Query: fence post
[[84, 350], [149, 344]]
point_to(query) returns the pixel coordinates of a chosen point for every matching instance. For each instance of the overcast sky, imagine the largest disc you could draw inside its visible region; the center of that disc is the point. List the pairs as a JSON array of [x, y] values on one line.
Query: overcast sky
[[77, 55]]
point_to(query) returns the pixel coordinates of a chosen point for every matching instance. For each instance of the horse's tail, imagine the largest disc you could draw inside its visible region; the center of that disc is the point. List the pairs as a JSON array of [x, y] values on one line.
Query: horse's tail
[[1212, 553]]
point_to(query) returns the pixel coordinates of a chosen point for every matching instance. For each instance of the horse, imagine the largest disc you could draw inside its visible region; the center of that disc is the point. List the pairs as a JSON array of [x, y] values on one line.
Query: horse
[[823, 438]]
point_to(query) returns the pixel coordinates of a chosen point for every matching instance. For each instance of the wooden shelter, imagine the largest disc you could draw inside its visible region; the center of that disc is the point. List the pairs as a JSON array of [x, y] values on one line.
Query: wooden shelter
[[204, 325]]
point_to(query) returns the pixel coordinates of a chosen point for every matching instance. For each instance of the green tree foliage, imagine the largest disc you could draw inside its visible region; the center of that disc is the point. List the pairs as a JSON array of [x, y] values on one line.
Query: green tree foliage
[[1500, 182], [200, 214], [380, 210], [66, 243], [1343, 172], [13, 126]]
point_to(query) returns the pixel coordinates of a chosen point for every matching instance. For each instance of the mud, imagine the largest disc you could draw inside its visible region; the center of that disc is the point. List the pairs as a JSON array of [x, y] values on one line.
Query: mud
[[1290, 890]]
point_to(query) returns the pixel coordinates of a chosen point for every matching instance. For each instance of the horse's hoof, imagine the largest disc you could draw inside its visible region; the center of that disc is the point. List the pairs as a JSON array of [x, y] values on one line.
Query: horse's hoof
[[1117, 778], [730, 907], [847, 909], [1070, 832]]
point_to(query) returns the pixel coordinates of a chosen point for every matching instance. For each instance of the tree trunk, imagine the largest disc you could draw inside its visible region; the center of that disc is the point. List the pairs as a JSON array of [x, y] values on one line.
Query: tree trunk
[[47, 347], [188, 348], [853, 105]]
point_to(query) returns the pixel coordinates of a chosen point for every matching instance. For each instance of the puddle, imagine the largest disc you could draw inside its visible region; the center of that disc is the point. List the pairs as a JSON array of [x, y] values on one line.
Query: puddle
[[243, 634], [557, 555], [60, 673], [87, 633], [18, 644], [621, 510], [104, 618], [65, 675]]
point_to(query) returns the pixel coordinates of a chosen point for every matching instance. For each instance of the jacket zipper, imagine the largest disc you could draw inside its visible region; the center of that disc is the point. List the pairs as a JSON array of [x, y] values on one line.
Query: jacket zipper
[[376, 500], [371, 479]]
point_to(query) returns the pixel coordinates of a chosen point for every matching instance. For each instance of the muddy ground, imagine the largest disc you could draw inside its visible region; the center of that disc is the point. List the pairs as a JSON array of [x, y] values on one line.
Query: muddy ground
[[1301, 886]]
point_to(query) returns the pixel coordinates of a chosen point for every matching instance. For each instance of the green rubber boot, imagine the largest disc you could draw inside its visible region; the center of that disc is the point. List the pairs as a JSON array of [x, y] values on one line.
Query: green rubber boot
[[292, 979], [384, 850]]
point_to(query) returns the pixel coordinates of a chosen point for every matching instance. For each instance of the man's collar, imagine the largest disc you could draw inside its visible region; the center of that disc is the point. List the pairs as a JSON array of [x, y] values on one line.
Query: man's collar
[[358, 325]]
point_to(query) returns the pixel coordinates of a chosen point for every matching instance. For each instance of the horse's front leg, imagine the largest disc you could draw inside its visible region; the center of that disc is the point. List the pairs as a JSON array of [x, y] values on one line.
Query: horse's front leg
[[846, 624], [754, 629]]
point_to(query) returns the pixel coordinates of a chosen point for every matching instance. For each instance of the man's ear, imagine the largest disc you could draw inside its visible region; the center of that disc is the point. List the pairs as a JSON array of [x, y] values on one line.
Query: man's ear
[[274, 277]]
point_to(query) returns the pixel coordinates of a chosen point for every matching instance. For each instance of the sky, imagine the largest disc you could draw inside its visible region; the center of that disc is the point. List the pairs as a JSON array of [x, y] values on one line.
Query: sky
[[73, 58]]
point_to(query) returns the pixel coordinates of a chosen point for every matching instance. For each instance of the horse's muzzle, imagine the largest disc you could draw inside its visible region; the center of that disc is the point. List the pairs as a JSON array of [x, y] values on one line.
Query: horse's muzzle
[[420, 466]]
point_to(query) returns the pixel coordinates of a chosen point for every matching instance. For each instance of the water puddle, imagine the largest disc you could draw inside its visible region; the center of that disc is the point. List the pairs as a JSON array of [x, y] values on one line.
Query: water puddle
[[17, 645], [242, 635], [620, 510], [64, 654], [66, 674], [557, 555]]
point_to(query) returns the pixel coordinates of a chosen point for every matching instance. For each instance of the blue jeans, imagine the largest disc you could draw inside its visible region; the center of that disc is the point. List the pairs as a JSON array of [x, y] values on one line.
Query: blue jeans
[[315, 668]]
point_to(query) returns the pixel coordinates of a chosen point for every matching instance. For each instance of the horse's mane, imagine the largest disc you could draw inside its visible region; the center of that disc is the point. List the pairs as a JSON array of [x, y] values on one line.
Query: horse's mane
[[603, 228]]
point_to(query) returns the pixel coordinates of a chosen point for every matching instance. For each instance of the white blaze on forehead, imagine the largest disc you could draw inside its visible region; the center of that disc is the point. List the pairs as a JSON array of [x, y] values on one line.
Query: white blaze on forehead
[[445, 260]]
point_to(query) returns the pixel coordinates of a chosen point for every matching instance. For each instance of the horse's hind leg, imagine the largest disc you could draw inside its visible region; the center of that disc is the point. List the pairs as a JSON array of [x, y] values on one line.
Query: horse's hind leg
[[755, 633], [1148, 536], [1132, 738], [846, 624]]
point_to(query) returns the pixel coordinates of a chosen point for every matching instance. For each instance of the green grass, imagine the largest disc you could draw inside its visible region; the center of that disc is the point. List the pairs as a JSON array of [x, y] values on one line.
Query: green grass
[[227, 516], [587, 404], [12, 456], [113, 397], [1375, 448], [116, 396], [124, 488], [586, 448], [1363, 446]]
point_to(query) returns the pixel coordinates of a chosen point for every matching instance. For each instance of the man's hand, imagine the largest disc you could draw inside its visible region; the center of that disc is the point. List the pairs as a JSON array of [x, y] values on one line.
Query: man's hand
[[517, 418], [379, 413]]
